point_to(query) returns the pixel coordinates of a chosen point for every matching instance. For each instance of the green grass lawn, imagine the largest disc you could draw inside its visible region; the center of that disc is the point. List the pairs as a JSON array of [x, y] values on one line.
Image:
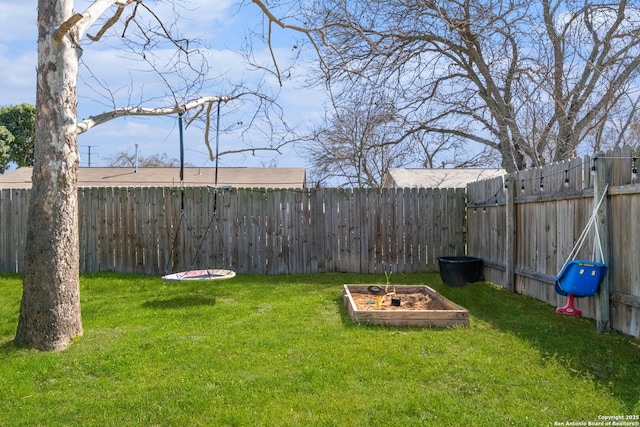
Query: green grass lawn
[[282, 351]]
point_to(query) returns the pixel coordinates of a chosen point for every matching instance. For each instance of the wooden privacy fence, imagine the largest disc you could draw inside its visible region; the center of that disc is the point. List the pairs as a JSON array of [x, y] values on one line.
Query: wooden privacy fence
[[525, 231], [253, 231]]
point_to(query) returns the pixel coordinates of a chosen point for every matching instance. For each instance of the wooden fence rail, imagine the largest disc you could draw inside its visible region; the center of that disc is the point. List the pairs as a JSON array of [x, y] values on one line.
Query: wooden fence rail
[[525, 231], [253, 231]]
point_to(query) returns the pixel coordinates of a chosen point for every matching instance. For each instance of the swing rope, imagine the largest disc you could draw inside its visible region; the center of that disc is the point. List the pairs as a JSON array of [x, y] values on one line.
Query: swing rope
[[583, 237], [182, 216], [190, 274], [215, 194], [209, 274]]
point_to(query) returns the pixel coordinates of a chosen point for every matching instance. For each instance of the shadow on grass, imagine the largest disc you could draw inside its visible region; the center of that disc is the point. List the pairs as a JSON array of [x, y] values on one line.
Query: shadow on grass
[[612, 360], [344, 313], [180, 302], [8, 347]]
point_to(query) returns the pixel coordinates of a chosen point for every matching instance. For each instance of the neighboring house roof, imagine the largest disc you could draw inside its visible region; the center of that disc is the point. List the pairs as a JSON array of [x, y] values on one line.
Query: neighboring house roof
[[170, 177], [437, 178]]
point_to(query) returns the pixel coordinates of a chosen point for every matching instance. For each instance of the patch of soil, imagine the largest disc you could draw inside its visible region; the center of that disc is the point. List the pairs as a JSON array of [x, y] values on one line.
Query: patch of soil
[[409, 301]]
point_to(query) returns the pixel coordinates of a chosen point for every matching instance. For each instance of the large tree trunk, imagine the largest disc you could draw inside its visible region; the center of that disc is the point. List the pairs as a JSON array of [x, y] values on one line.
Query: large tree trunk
[[50, 309]]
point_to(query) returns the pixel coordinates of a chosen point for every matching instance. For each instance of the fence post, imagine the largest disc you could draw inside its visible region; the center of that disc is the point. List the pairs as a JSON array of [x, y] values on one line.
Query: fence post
[[603, 311], [510, 234]]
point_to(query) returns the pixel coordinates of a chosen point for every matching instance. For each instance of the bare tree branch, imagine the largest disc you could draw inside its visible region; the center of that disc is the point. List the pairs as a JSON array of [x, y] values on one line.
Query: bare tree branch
[[479, 71], [110, 23], [92, 121], [66, 27], [308, 32]]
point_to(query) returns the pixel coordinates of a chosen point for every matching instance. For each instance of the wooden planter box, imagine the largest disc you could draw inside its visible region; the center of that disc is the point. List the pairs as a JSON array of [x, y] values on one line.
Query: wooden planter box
[[447, 315]]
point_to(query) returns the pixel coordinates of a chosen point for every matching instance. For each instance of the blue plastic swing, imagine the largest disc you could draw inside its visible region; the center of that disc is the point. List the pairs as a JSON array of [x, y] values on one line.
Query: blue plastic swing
[[581, 278]]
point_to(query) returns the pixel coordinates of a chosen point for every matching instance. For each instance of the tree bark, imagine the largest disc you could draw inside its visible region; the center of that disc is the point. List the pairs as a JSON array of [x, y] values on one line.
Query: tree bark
[[50, 309]]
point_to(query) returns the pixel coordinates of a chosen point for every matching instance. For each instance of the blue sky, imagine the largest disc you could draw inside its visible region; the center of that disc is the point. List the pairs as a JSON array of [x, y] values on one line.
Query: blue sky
[[222, 25]]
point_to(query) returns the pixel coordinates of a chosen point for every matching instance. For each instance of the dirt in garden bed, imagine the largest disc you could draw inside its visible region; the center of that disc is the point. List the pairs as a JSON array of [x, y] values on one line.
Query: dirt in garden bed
[[410, 301]]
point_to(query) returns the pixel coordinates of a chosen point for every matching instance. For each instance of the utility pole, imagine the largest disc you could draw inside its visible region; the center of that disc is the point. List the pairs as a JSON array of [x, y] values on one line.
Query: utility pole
[[89, 152]]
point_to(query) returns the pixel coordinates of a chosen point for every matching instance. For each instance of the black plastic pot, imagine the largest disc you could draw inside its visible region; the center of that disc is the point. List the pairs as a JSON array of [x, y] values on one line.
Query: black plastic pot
[[460, 270]]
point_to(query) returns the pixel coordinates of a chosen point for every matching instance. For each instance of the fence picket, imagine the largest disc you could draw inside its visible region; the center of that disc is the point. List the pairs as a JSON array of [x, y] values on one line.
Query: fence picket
[[259, 231], [254, 230], [548, 224]]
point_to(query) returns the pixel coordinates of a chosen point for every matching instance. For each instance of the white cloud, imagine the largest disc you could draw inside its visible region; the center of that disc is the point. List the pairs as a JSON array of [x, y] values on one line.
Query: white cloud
[[18, 42], [17, 77], [18, 21]]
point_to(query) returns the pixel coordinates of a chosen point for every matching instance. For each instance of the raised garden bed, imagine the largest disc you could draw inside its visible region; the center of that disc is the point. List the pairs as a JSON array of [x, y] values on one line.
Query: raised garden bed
[[420, 306]]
